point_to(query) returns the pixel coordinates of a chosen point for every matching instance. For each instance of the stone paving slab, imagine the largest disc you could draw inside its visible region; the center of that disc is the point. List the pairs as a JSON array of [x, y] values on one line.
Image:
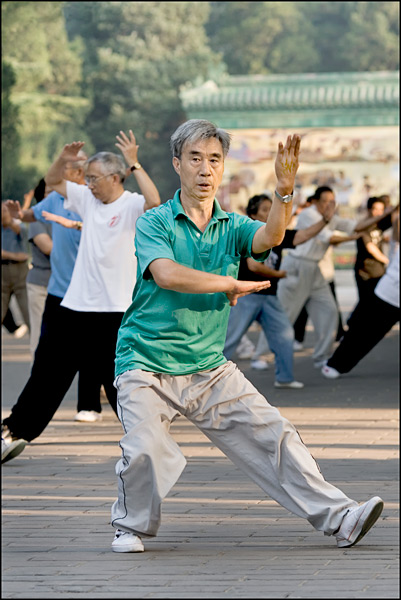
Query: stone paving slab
[[221, 536]]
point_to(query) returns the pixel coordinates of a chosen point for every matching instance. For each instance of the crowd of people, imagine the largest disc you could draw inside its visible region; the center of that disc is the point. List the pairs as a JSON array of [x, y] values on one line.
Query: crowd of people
[[150, 301]]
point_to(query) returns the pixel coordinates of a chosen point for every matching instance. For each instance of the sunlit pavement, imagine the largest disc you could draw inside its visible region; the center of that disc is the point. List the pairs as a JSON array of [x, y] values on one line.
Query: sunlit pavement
[[221, 536]]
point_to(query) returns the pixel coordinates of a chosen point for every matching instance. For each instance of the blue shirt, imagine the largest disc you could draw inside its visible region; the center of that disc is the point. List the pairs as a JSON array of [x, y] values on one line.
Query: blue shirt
[[65, 243], [179, 333]]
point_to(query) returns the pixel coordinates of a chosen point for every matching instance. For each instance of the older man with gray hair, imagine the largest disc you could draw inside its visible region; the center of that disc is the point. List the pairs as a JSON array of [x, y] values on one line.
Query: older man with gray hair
[[101, 284], [170, 361]]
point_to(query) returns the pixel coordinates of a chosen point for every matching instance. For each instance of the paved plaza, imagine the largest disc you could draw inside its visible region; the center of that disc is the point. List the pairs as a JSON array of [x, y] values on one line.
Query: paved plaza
[[221, 536]]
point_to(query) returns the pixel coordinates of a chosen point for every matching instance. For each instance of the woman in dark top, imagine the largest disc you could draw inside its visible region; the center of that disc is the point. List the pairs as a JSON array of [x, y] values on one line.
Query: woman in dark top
[[371, 262]]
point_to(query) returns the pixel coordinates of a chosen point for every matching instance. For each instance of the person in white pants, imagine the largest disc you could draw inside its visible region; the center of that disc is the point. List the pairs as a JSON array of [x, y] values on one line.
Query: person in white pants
[[305, 285], [169, 355]]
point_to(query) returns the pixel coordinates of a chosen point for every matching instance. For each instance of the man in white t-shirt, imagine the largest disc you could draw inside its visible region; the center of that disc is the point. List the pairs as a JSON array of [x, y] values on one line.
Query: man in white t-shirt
[[105, 268]]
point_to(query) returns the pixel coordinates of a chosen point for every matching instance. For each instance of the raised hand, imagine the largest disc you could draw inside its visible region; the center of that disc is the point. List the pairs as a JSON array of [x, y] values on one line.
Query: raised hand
[[128, 147], [243, 288], [14, 208], [70, 152], [287, 163]]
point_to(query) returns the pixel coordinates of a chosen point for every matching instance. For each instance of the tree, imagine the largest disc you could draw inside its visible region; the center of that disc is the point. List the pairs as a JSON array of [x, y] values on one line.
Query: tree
[[136, 57], [262, 37], [300, 37], [47, 80]]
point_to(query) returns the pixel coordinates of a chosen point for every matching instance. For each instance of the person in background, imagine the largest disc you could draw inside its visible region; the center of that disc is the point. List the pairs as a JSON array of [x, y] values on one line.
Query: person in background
[[372, 318], [14, 263], [40, 238], [90, 312], [305, 284], [264, 306], [371, 261]]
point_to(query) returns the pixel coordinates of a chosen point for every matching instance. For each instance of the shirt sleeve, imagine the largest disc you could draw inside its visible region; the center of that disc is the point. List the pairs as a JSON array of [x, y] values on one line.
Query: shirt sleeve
[[152, 241], [38, 228], [77, 198], [45, 204], [345, 225], [246, 229], [137, 203]]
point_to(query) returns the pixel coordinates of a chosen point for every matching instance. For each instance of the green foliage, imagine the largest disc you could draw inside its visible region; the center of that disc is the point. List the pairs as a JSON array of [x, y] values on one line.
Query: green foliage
[[136, 57], [86, 70], [294, 37], [44, 91]]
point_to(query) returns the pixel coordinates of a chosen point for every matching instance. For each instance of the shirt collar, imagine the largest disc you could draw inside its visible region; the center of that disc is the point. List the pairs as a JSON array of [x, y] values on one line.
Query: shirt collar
[[176, 206]]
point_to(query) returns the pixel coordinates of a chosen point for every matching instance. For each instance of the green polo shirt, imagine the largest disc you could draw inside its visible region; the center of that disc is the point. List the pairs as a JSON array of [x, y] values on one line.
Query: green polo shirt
[[171, 332]]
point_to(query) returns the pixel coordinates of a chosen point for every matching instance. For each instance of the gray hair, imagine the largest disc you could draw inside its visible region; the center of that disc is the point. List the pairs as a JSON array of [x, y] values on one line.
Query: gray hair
[[194, 130], [112, 163]]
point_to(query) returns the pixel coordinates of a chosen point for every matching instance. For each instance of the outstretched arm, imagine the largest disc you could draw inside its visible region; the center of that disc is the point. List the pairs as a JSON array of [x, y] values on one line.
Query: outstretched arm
[[129, 148], [68, 223], [18, 213], [170, 275], [286, 167], [368, 222], [55, 175]]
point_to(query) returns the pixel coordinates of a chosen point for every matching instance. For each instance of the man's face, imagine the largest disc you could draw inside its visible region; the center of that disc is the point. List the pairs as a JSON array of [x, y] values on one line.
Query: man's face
[[200, 168], [325, 200], [101, 185], [73, 174]]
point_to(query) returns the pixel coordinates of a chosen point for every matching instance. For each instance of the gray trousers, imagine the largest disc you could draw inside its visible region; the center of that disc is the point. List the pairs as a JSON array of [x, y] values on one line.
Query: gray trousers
[[37, 295], [305, 285], [230, 411], [13, 281]]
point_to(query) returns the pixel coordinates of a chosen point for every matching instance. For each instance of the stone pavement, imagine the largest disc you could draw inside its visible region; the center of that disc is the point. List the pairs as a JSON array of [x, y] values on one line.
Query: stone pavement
[[221, 536]]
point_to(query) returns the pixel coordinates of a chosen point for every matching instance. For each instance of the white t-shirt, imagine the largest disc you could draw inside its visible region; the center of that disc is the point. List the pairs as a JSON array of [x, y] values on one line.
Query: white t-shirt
[[315, 248], [388, 288], [105, 269]]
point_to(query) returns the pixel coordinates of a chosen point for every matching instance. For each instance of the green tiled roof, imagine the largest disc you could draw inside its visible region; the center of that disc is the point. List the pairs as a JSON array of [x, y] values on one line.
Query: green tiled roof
[[305, 100]]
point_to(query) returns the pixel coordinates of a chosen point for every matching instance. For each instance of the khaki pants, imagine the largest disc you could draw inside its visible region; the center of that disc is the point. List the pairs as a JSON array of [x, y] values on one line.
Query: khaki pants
[[305, 285], [229, 410], [13, 281]]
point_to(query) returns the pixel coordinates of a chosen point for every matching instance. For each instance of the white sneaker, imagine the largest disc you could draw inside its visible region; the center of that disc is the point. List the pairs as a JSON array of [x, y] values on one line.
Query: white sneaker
[[358, 521], [21, 331], [330, 373], [127, 542], [297, 346], [292, 385], [11, 449], [88, 416], [259, 365]]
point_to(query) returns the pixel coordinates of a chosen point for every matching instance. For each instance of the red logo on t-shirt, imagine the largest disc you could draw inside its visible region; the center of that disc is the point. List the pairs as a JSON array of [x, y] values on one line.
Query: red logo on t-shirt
[[114, 220]]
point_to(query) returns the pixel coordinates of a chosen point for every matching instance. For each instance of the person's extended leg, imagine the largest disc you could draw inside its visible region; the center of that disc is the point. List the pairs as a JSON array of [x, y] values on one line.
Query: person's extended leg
[[266, 446], [371, 320], [53, 370], [340, 327], [19, 289], [151, 460], [37, 295], [300, 325], [280, 336], [323, 312]]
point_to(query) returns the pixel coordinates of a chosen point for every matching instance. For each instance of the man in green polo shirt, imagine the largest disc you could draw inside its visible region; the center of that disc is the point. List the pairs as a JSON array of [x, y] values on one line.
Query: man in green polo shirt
[[170, 362]]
